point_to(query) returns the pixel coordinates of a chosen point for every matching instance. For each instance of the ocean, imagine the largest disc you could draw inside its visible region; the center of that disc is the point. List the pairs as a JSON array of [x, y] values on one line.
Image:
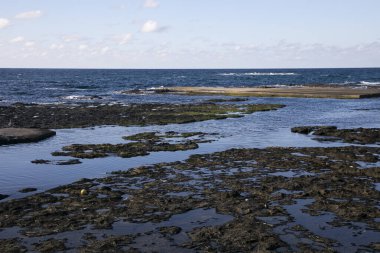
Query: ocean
[[83, 85]]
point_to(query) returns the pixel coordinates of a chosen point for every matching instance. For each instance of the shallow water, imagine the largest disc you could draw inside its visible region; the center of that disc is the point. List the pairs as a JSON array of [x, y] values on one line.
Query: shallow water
[[186, 222], [259, 130], [319, 225]]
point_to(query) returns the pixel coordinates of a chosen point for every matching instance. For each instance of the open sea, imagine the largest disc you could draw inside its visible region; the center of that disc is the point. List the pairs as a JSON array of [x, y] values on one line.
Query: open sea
[[65, 85]]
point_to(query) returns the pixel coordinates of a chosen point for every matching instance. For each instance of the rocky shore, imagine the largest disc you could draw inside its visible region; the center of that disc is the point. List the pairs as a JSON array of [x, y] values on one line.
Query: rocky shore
[[307, 91], [240, 200], [87, 115]]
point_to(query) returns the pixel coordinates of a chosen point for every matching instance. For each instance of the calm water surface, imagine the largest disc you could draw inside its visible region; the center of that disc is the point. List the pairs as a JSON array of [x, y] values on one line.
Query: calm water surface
[[258, 130]]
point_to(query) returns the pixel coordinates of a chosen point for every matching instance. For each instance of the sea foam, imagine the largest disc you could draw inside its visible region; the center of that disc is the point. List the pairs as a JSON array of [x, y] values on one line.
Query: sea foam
[[260, 74]]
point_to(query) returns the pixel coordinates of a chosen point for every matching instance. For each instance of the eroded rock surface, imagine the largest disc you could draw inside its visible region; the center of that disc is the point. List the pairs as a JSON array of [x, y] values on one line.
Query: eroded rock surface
[[240, 200], [70, 116]]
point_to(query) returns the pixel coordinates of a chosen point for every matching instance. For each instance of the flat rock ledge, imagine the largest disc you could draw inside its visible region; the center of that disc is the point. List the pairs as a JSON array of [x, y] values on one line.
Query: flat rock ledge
[[349, 92], [23, 135]]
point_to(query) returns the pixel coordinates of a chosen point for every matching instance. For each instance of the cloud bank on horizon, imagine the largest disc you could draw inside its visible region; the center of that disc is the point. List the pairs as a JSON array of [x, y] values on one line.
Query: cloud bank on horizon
[[189, 34]]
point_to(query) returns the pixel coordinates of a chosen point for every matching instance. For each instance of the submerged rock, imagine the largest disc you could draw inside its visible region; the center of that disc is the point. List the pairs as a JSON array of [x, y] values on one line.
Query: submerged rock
[[57, 162]]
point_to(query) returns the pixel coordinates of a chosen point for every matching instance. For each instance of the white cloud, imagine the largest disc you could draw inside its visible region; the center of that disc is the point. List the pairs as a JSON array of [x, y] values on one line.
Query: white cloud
[[71, 38], [56, 46], [82, 47], [149, 26], [4, 23], [124, 39], [29, 44], [29, 14], [104, 50], [17, 39], [151, 4]]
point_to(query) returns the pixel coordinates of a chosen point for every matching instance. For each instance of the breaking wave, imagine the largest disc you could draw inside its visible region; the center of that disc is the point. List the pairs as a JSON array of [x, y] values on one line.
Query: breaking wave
[[260, 74]]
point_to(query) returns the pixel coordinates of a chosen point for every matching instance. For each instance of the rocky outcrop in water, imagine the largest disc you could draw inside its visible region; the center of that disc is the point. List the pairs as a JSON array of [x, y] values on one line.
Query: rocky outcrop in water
[[23, 135], [355, 135]]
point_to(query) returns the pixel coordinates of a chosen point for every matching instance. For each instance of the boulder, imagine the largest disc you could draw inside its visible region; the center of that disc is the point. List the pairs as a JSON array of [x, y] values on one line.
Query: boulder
[[23, 135]]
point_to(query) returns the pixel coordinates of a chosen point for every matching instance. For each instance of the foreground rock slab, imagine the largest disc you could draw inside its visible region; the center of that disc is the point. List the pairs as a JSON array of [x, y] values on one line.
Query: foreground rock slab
[[304, 92], [239, 200], [23, 135]]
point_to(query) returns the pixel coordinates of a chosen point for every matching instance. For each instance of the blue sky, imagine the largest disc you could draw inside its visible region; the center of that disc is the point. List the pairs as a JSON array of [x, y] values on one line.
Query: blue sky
[[189, 33]]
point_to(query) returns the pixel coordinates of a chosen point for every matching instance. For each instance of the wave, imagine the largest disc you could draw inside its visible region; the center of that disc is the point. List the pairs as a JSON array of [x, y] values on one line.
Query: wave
[[260, 74], [81, 97], [360, 83], [54, 88], [365, 83]]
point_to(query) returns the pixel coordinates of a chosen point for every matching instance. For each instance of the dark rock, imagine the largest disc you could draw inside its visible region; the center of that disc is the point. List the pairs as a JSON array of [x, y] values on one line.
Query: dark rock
[[41, 161], [70, 116], [2, 196], [173, 230], [23, 135], [331, 133], [29, 189], [50, 246]]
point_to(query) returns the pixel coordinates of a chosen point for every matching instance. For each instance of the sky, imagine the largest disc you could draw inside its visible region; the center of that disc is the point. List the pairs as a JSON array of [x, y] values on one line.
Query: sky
[[189, 33]]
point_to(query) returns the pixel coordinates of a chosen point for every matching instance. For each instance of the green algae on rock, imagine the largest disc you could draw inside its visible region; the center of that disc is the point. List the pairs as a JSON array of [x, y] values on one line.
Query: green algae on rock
[[143, 144], [256, 193], [71, 116]]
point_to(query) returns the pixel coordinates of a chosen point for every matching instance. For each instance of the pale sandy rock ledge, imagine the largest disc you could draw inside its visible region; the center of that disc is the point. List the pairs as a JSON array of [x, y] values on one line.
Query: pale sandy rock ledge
[[23, 135], [303, 92]]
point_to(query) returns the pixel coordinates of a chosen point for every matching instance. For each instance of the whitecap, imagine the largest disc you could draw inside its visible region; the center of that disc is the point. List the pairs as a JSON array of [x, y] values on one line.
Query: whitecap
[[81, 97], [260, 74], [369, 83]]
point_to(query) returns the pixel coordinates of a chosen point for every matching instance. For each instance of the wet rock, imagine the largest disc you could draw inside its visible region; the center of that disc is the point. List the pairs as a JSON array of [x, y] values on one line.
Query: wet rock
[[41, 161], [309, 129], [26, 190], [110, 244], [23, 135], [144, 144], [11, 246], [237, 183], [332, 133], [58, 162], [221, 100], [173, 230], [50, 245], [70, 116], [2, 196]]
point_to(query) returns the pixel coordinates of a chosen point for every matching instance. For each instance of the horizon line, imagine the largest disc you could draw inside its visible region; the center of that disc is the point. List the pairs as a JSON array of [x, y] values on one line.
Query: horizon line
[[84, 68]]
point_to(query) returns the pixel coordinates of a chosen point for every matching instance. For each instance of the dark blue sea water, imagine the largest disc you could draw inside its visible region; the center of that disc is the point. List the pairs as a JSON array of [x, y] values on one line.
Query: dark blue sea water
[[66, 85]]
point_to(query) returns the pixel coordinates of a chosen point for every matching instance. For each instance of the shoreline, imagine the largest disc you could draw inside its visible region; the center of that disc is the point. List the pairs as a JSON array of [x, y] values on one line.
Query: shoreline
[[298, 92], [235, 200]]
